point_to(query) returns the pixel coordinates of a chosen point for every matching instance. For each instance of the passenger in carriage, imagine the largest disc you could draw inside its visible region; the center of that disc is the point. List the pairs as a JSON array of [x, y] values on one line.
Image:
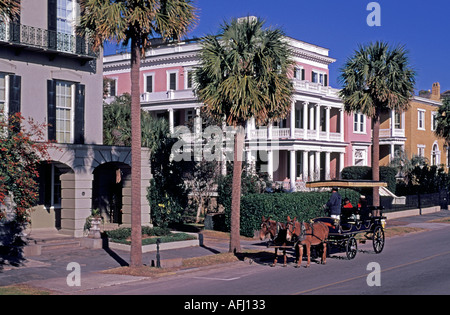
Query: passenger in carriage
[[347, 203]]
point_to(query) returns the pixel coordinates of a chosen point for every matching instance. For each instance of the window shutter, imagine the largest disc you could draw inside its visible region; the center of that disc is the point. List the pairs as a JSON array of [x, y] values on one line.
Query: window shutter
[[79, 113], [51, 109], [51, 23], [14, 98], [14, 94]]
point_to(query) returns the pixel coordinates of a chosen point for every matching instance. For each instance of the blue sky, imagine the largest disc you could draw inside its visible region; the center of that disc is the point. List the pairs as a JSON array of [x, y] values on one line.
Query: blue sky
[[340, 25]]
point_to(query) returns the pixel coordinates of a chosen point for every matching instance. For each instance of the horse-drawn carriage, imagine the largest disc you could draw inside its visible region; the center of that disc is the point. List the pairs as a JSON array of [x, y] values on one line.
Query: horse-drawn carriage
[[337, 233]]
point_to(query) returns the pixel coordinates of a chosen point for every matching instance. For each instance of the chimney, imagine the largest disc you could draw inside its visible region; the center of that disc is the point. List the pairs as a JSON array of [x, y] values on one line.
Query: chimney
[[436, 92]]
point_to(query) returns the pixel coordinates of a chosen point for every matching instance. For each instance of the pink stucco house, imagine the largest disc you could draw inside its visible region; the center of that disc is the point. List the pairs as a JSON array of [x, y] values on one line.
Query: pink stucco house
[[315, 142]]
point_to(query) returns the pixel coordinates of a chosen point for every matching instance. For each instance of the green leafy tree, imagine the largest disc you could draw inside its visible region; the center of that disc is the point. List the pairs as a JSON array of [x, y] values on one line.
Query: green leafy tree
[[136, 22], [243, 74], [375, 80]]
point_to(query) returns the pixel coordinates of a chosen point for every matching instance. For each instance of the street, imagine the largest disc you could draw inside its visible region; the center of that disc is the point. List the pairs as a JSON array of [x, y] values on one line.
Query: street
[[413, 264]]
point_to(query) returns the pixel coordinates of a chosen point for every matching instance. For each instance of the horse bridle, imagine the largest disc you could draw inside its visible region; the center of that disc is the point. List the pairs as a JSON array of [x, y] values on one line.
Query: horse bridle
[[267, 225]]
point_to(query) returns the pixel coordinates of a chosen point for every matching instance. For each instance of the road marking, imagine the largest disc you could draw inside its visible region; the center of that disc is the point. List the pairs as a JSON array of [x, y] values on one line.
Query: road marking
[[365, 275], [216, 279]]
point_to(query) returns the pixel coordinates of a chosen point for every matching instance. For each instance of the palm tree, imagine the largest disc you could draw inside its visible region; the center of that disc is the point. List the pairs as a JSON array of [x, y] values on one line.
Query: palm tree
[[136, 22], [9, 9], [443, 121], [377, 79], [243, 74]]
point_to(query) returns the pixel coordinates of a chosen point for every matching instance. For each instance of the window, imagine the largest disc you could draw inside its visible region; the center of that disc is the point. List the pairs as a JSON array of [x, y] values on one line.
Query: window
[[299, 73], [433, 121], [149, 83], [359, 123], [397, 121], [190, 79], [64, 112], [359, 157], [421, 150], [421, 119], [3, 96], [435, 155], [319, 77], [172, 80], [65, 16]]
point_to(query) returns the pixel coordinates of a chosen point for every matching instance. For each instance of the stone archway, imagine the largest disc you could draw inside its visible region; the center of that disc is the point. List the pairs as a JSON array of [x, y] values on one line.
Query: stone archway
[[110, 180], [77, 186]]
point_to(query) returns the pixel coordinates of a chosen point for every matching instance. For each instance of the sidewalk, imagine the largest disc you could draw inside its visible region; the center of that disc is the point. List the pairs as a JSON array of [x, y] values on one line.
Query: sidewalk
[[49, 270]]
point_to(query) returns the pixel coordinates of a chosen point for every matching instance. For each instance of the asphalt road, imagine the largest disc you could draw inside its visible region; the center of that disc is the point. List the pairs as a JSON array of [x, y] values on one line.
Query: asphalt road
[[413, 264]]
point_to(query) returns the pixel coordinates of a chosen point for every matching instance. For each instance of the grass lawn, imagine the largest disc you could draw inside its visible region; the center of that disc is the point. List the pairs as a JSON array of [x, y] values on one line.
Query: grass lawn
[[22, 290]]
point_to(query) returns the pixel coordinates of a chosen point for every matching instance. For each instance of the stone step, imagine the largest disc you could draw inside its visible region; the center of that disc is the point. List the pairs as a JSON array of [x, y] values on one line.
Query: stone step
[[60, 244]]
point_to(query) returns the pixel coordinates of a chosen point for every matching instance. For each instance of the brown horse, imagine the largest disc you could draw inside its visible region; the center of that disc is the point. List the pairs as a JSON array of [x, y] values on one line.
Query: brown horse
[[307, 235], [278, 233]]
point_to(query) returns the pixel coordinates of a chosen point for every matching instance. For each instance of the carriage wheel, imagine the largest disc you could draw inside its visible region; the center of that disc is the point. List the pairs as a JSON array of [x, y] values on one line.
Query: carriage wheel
[[351, 248], [378, 239]]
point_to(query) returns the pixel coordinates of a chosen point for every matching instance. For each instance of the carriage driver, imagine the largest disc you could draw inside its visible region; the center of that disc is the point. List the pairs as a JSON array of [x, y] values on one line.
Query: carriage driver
[[334, 204]]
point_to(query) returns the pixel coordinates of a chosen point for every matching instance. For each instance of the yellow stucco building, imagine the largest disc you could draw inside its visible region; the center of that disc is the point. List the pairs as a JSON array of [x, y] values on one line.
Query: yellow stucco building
[[413, 130]]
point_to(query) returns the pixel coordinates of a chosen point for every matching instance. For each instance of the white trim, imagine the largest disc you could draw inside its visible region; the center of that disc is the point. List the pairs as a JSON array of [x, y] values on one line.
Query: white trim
[[168, 73], [433, 115], [419, 148], [146, 75]]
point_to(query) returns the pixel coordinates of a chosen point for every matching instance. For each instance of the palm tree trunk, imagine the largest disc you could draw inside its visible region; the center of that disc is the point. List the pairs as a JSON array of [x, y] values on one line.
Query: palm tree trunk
[[235, 244], [376, 158], [136, 229]]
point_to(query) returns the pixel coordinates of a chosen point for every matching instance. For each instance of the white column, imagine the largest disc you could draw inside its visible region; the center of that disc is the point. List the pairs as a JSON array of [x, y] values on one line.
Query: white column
[[248, 126], [327, 165], [270, 131], [392, 152], [311, 167], [198, 152], [292, 172], [341, 123], [311, 118], [318, 121], [305, 165], [317, 166], [270, 164], [341, 163], [293, 120], [305, 120], [171, 120], [327, 121], [392, 124]]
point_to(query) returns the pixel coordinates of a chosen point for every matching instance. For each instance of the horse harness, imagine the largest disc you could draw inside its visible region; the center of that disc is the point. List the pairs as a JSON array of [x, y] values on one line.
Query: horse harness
[[303, 233]]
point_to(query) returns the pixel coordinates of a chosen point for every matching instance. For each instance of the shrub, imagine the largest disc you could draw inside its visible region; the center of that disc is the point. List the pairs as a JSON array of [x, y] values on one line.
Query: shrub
[[303, 205], [387, 174]]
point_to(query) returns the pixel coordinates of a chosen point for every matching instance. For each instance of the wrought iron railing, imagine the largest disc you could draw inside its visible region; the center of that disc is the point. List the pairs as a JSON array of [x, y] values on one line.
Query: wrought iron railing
[[45, 39]]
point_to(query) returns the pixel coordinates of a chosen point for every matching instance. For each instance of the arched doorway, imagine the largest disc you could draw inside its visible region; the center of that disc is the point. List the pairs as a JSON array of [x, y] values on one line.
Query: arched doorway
[[107, 190]]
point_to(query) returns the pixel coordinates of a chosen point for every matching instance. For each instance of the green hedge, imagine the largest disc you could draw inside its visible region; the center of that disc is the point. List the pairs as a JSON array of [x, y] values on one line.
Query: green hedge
[[387, 174], [303, 205]]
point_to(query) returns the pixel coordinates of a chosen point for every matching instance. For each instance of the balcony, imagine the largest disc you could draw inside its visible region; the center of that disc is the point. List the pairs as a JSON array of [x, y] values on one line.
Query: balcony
[[35, 38], [392, 133], [168, 96], [285, 133]]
